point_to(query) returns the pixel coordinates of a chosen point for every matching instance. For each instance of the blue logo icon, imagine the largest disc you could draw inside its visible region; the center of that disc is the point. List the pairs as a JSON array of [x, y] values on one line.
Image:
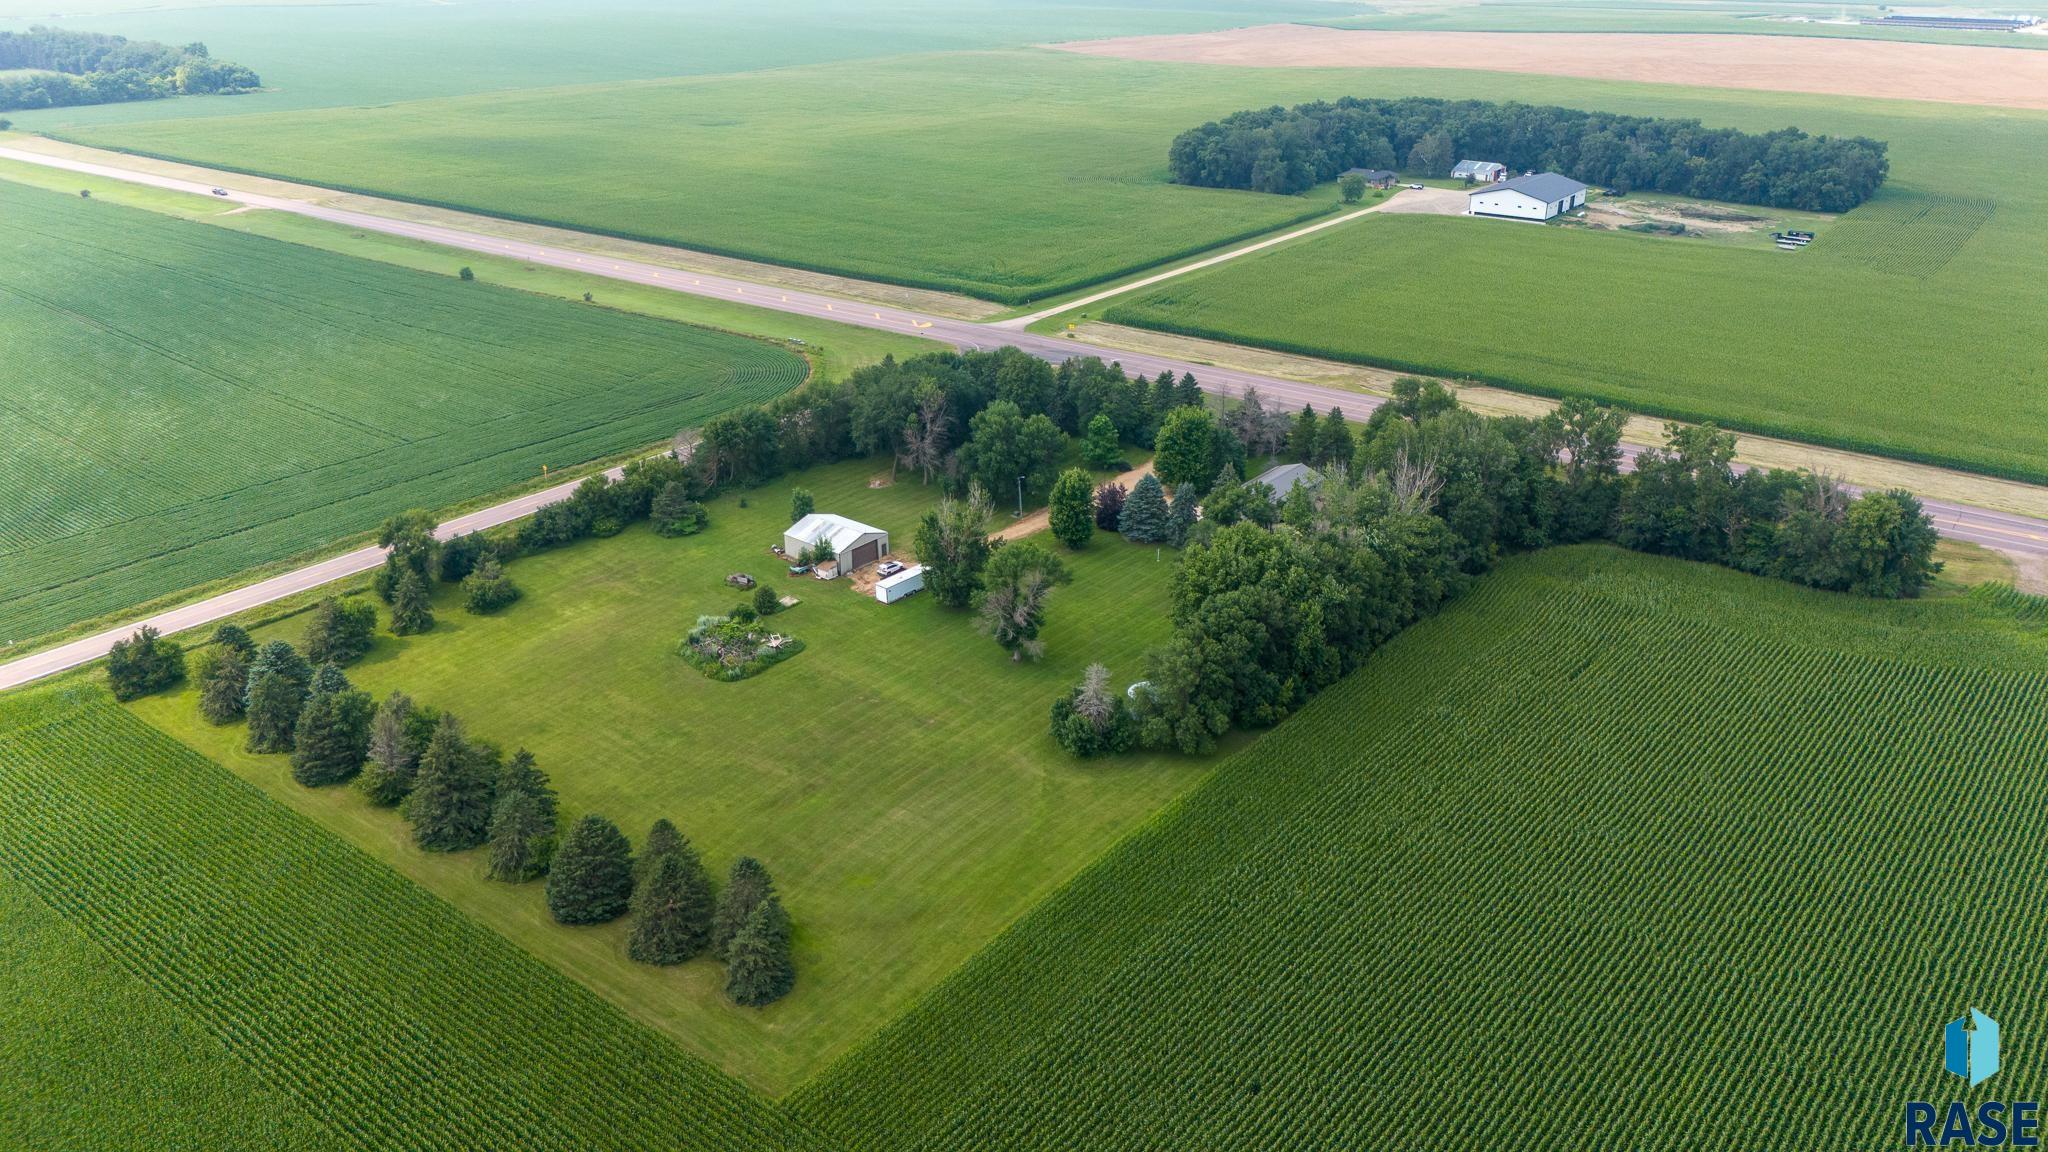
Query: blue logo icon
[[1971, 1047]]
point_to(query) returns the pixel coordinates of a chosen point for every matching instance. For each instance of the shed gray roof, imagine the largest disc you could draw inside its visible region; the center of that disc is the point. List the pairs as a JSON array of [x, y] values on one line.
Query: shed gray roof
[[1477, 167], [1282, 478], [1544, 186]]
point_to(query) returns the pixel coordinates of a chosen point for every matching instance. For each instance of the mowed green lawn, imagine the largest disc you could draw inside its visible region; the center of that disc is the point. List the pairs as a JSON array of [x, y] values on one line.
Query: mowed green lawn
[[1008, 175], [1617, 852], [181, 402], [1911, 327], [895, 777]]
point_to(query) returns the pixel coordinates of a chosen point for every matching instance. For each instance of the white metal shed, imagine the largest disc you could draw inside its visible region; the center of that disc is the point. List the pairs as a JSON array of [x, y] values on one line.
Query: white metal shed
[[856, 544]]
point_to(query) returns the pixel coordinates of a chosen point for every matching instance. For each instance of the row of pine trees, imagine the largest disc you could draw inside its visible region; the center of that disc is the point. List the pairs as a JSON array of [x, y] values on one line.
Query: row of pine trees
[[460, 794]]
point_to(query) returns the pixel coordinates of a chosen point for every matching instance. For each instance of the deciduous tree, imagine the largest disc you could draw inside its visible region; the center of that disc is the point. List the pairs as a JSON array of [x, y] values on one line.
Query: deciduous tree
[[1072, 513]]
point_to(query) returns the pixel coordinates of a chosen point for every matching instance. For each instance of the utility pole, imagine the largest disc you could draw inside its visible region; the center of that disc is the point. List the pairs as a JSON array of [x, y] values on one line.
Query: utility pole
[[1020, 497]]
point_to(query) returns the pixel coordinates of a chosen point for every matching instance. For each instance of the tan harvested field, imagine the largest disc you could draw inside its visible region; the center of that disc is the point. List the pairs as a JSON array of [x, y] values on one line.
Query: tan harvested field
[[1950, 73]]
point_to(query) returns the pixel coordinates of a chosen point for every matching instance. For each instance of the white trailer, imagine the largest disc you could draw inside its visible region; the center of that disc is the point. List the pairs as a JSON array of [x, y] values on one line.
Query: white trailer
[[890, 589]]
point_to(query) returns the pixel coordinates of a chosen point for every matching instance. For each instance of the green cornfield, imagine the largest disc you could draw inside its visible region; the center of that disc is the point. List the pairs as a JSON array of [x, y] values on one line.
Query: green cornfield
[[182, 402], [339, 998], [1616, 853]]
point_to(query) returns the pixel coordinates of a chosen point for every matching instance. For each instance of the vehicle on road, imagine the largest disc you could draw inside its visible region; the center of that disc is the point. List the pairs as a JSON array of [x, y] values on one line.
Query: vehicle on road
[[220, 191], [1416, 187]]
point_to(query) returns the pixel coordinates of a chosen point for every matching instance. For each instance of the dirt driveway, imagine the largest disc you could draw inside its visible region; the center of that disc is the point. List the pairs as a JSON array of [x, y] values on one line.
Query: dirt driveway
[[1949, 73], [1040, 520]]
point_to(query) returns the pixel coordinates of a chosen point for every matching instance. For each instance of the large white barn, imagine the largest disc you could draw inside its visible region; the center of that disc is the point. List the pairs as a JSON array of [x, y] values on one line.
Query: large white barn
[[1539, 196], [856, 544]]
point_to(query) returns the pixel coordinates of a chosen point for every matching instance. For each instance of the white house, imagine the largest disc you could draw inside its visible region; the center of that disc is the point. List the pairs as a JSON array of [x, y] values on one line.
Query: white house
[[857, 545], [1480, 171], [1535, 197]]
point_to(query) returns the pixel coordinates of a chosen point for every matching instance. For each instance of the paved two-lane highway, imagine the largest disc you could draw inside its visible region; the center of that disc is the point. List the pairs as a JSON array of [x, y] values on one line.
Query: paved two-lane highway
[[2018, 536]]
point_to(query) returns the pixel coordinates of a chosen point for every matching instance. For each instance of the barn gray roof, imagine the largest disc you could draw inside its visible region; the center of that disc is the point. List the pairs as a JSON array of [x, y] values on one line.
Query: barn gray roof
[[1544, 186], [1476, 167]]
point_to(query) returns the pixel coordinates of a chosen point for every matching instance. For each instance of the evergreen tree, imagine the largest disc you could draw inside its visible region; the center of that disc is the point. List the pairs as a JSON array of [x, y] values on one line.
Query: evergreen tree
[[275, 701], [224, 687], [671, 908], [522, 838], [591, 879], [341, 631], [523, 775], [388, 775], [801, 504], [330, 678], [746, 886], [280, 657], [487, 588], [1145, 513], [1189, 393], [1334, 443], [1101, 449], [450, 803], [662, 839], [758, 969], [1073, 508], [332, 737], [766, 602], [411, 610], [236, 637], [1301, 440], [1181, 518], [674, 513]]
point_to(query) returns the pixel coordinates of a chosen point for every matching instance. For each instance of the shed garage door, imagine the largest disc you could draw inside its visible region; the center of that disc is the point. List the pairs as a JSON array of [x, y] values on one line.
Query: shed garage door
[[864, 555]]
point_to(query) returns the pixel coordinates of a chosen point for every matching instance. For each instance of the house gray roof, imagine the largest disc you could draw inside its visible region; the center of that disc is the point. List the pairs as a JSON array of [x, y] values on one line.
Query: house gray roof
[[1477, 168], [1282, 478], [1545, 186], [1370, 173]]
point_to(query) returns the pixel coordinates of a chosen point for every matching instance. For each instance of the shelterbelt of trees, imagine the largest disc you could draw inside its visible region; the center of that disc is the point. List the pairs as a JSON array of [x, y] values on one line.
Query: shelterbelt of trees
[[1288, 150], [73, 68], [1275, 599]]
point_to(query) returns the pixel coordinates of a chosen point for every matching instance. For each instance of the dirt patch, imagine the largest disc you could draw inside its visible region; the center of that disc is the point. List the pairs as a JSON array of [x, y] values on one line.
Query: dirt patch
[[1948, 73], [1675, 219]]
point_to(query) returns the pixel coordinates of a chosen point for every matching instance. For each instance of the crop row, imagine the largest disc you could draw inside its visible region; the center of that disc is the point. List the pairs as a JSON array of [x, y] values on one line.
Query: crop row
[[147, 453], [1570, 868], [380, 1011]]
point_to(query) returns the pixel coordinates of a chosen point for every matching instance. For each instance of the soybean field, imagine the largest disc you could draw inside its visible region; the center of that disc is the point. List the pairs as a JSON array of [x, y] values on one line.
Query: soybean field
[[180, 402], [288, 990], [1617, 852]]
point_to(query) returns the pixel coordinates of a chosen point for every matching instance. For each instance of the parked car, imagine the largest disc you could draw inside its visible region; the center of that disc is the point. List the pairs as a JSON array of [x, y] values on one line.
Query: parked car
[[220, 191], [889, 568], [1417, 187]]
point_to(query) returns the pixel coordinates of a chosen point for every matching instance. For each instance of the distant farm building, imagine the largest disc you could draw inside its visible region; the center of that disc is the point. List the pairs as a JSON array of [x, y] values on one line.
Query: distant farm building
[[1535, 197], [857, 545], [1480, 171], [1283, 478], [1956, 23], [1377, 177]]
